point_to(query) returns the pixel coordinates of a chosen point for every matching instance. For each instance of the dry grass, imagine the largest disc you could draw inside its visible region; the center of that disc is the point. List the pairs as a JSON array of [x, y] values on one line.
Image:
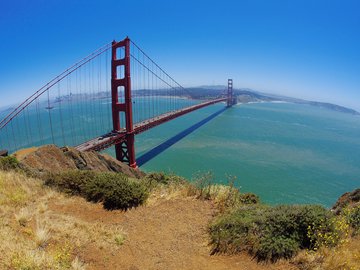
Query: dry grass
[[219, 194], [168, 192], [346, 256], [42, 234], [23, 217], [34, 237], [76, 264], [343, 257]]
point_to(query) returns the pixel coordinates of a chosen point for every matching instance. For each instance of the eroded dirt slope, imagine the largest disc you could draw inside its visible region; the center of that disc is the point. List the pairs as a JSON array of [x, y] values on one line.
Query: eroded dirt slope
[[168, 235]]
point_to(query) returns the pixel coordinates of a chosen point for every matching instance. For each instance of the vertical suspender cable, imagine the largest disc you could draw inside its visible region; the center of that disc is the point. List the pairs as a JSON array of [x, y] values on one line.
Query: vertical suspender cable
[[13, 135], [29, 125], [25, 126], [153, 90], [79, 102], [39, 121], [107, 78], [99, 95], [71, 113], [150, 92], [61, 116], [50, 121]]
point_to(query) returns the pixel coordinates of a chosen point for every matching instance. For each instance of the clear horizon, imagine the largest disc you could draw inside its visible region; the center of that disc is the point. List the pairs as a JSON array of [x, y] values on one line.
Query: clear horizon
[[302, 49], [9, 105]]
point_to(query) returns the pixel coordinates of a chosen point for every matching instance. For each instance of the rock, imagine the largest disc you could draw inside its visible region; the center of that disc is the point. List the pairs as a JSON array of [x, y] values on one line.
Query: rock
[[50, 158], [347, 199]]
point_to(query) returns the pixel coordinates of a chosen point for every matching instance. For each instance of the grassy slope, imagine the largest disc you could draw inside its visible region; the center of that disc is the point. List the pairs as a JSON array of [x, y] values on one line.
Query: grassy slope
[[44, 229], [34, 237]]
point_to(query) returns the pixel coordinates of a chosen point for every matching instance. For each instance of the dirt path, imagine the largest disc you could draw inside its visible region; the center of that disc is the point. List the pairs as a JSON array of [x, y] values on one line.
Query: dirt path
[[169, 235]]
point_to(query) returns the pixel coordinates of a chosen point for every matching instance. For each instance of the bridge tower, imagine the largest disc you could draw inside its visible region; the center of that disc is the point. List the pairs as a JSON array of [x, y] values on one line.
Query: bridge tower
[[125, 151], [231, 100]]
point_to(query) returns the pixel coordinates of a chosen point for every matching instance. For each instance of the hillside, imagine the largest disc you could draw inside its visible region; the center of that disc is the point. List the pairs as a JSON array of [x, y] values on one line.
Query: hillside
[[50, 158], [44, 225], [246, 95], [43, 229]]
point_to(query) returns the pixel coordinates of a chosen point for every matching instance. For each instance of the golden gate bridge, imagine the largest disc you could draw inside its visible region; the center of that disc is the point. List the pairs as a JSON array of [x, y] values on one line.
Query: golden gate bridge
[[103, 100]]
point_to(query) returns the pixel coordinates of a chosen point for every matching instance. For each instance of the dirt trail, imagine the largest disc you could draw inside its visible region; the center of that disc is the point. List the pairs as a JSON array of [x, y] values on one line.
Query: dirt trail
[[168, 235]]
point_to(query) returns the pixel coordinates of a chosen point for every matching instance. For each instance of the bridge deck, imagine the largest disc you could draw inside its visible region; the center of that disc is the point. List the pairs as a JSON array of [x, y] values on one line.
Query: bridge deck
[[112, 138]]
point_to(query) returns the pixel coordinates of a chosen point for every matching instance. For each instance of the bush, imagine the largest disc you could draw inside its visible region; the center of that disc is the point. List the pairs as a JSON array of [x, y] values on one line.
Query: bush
[[95, 189], [270, 233], [249, 198], [353, 218], [295, 221], [273, 248], [8, 163], [116, 191], [329, 232], [71, 182], [237, 231]]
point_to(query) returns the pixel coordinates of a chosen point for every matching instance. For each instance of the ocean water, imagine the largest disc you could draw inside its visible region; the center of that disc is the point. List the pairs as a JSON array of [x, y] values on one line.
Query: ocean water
[[285, 153]]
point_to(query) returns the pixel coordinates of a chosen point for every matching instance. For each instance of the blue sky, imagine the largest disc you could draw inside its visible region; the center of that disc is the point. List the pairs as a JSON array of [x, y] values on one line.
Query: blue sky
[[300, 48]]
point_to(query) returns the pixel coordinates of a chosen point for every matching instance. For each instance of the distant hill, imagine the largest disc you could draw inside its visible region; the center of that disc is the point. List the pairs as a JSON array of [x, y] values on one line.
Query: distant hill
[[246, 95]]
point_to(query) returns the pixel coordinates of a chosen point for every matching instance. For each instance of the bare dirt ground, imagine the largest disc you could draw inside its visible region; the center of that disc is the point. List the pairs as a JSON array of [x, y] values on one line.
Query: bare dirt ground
[[170, 234]]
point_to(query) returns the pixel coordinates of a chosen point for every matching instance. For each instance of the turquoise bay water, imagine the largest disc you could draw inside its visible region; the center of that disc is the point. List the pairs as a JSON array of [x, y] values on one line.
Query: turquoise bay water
[[286, 153]]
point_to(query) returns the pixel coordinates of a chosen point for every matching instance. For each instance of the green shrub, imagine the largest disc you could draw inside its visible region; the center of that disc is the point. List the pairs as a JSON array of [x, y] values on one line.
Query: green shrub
[[353, 217], [272, 248], [95, 189], [116, 191], [270, 233], [329, 233], [249, 198], [8, 163], [238, 230], [293, 221], [71, 182]]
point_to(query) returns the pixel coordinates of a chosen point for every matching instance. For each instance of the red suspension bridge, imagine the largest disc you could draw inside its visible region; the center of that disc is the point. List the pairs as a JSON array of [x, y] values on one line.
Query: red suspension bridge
[[103, 100]]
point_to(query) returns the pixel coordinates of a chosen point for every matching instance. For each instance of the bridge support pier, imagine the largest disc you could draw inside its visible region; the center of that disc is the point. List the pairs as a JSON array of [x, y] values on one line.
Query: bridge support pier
[[125, 150]]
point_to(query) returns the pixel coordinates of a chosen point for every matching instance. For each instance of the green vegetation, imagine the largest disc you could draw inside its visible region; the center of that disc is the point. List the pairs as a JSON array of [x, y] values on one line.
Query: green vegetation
[[8, 163], [306, 233], [354, 218], [249, 198], [115, 190], [70, 182], [271, 233]]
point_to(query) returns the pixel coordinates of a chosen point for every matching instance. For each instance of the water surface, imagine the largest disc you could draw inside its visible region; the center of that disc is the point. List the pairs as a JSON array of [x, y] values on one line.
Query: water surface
[[286, 153]]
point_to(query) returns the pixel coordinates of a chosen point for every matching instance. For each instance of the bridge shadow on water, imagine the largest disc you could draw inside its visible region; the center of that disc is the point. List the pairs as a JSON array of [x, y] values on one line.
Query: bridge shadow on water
[[168, 143]]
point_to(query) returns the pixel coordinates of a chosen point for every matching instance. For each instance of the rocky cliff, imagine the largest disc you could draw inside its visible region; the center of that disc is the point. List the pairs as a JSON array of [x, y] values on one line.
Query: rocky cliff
[[50, 158]]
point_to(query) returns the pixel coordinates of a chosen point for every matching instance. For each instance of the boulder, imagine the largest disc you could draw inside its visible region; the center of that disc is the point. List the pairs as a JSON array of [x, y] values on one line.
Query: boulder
[[347, 199]]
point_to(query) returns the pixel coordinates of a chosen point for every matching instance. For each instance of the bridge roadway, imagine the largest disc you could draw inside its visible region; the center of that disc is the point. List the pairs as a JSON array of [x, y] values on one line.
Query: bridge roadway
[[112, 138]]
